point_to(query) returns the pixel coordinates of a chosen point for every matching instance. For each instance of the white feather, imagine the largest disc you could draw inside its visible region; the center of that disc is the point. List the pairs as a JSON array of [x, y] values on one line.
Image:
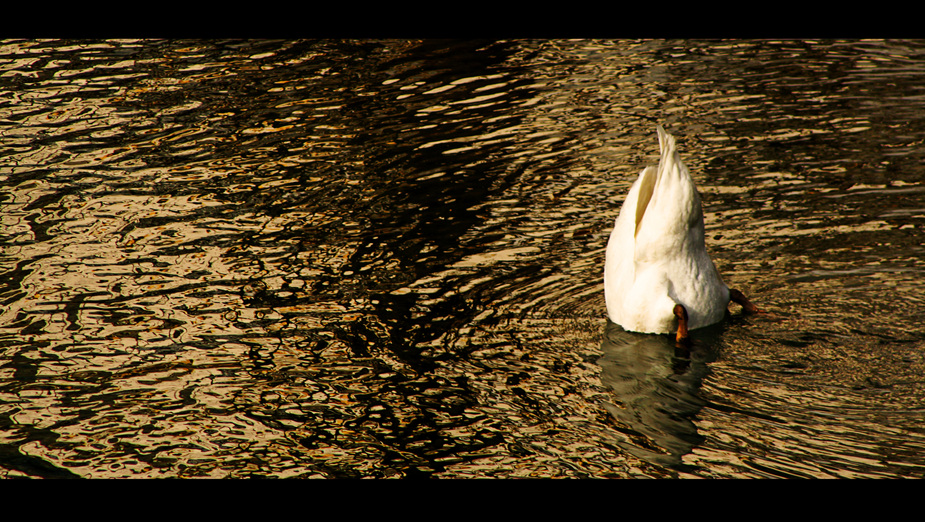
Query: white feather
[[656, 257]]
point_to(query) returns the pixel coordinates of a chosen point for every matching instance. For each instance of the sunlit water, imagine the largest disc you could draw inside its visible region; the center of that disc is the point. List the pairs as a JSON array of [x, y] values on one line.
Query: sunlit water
[[385, 258]]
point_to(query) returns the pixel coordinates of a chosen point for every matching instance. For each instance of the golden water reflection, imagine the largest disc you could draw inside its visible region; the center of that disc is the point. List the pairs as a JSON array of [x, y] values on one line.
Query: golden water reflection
[[383, 258]]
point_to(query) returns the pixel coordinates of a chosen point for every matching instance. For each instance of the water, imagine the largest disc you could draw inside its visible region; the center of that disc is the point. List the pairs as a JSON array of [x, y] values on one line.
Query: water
[[384, 259]]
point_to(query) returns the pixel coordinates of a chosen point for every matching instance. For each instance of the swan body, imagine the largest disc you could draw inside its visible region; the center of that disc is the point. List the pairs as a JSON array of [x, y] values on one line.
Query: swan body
[[656, 257]]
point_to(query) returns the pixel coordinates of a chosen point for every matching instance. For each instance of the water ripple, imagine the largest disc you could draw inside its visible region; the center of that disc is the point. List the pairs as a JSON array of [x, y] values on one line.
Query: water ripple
[[382, 259]]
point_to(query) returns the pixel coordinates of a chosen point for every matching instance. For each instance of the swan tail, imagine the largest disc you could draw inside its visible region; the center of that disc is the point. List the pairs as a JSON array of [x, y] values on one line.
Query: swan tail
[[647, 179]]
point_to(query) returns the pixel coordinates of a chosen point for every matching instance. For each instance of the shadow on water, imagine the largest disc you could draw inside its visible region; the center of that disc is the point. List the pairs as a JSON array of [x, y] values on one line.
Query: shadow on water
[[265, 222], [383, 259], [655, 386]]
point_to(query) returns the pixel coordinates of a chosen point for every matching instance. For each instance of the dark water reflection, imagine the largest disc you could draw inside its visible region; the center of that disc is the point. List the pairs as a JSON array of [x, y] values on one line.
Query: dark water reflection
[[383, 259], [656, 384]]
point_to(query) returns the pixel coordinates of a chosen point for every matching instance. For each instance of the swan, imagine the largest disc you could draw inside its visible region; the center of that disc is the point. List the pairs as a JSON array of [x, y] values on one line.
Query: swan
[[658, 277]]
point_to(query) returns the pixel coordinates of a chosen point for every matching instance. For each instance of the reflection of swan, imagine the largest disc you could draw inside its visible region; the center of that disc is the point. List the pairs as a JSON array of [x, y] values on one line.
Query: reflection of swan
[[658, 276], [656, 386]]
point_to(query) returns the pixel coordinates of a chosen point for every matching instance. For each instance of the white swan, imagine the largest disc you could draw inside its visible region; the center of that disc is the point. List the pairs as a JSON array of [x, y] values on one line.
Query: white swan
[[658, 277]]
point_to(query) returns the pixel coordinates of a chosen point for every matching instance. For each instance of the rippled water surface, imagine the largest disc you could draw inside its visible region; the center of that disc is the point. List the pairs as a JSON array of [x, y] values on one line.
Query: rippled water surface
[[384, 259]]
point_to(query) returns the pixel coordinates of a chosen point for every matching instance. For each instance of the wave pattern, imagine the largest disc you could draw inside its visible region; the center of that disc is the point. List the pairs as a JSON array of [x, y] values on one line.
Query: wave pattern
[[383, 259]]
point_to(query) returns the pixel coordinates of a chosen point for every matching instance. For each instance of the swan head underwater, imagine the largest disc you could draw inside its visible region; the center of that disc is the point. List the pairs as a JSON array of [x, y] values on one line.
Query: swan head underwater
[[658, 277]]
